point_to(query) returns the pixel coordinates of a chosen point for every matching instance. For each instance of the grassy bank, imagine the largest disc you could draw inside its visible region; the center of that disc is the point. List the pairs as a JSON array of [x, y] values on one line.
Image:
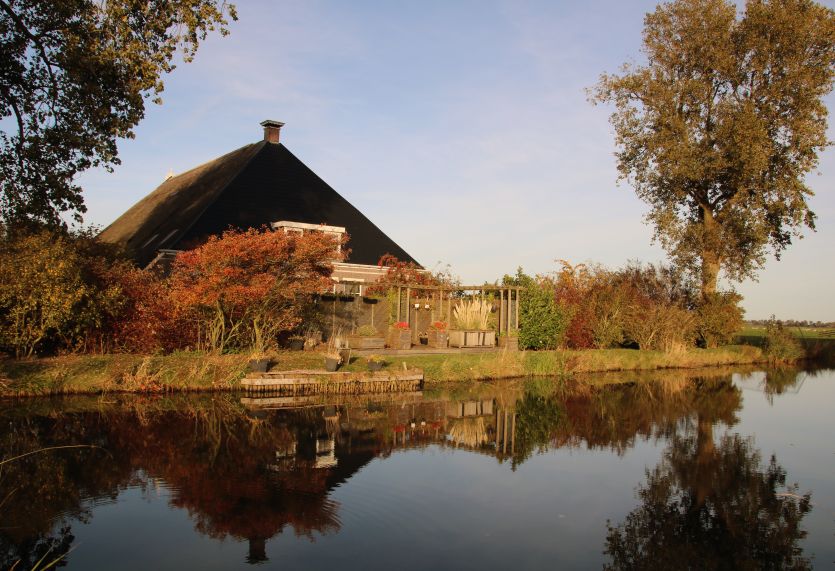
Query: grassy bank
[[818, 344], [76, 374]]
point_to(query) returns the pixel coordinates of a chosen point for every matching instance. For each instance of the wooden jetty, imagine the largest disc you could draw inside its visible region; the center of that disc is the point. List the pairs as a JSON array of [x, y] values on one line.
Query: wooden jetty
[[279, 402], [308, 382]]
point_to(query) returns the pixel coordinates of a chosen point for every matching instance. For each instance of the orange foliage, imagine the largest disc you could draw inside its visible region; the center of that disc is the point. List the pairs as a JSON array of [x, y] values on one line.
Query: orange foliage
[[146, 321], [571, 289], [251, 284], [398, 272]]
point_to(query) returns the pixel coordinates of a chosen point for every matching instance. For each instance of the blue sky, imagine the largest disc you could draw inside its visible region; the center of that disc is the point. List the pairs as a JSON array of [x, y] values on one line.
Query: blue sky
[[460, 128]]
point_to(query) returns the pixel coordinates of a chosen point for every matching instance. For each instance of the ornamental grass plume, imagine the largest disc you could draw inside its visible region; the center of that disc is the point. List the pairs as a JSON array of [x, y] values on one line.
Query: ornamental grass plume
[[471, 314]]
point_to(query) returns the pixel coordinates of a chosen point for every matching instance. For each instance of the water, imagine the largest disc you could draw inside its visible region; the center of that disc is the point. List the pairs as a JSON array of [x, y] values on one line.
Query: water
[[722, 470]]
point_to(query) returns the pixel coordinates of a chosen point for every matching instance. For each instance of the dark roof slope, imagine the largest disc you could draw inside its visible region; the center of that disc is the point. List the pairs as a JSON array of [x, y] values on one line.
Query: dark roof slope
[[247, 188]]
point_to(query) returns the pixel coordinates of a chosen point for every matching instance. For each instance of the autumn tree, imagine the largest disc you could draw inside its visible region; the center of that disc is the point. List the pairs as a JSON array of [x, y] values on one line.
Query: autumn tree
[[75, 77], [242, 288], [50, 296], [717, 130]]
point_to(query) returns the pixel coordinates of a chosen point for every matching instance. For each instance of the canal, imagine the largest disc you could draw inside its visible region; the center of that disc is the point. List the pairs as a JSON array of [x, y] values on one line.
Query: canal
[[714, 469]]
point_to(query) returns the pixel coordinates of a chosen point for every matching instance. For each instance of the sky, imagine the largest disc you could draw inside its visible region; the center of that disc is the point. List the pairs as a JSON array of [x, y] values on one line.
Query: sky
[[461, 128]]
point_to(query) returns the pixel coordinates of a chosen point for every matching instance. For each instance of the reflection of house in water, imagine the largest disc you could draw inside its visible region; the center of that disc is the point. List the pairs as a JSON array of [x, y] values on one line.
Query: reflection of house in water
[[325, 453], [330, 443], [379, 428]]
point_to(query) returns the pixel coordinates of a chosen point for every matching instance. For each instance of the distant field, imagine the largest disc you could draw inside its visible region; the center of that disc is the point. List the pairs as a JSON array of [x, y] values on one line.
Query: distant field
[[802, 332]]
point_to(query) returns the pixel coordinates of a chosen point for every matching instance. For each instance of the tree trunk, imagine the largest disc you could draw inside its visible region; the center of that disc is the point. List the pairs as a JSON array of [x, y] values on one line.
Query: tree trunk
[[711, 262], [710, 272]]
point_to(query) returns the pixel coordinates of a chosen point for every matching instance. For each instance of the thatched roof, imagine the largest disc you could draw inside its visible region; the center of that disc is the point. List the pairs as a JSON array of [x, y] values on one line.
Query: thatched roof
[[248, 188]]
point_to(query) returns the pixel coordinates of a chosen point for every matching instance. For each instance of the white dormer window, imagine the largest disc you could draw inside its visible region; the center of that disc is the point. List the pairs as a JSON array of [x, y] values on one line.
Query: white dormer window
[[288, 226]]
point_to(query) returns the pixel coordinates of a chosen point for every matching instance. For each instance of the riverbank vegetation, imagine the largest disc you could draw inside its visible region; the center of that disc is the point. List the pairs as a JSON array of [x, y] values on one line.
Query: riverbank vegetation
[[62, 293], [79, 318], [198, 371], [645, 306]]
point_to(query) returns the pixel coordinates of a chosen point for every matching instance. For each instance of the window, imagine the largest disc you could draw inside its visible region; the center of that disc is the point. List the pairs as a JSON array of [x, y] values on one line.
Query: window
[[288, 226]]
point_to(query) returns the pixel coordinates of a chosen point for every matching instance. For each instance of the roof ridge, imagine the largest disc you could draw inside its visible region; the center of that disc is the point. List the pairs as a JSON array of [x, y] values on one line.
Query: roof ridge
[[221, 190], [210, 161]]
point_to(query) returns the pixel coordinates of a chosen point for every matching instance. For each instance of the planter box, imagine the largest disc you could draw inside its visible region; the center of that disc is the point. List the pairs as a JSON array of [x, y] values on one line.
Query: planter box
[[399, 338], [360, 342], [472, 338], [511, 343], [438, 339], [331, 365]]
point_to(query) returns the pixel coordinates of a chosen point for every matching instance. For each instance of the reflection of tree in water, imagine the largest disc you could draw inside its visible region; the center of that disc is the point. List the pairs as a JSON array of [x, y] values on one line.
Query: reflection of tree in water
[[39, 550], [41, 493], [781, 380], [215, 459], [250, 475], [711, 506], [614, 417]]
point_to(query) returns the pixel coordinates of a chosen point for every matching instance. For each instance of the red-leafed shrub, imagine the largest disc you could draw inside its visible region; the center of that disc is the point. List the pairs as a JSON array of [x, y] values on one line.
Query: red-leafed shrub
[[146, 320], [241, 289], [401, 273]]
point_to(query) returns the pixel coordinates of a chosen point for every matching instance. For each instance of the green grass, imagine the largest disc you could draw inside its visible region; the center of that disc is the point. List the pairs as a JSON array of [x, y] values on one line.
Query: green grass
[[194, 371], [799, 332]]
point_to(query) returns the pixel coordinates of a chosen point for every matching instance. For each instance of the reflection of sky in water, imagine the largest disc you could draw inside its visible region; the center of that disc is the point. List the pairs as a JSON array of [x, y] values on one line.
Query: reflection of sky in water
[[440, 507], [799, 428]]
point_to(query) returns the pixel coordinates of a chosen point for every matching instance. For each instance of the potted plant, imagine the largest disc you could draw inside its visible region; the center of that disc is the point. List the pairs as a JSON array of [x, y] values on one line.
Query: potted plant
[[471, 318], [312, 338], [335, 354], [423, 338], [400, 336], [332, 360], [437, 336], [375, 362], [366, 337]]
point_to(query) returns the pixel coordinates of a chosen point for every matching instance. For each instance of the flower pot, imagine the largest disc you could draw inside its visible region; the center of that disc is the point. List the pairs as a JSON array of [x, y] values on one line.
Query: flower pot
[[424, 341], [360, 342], [331, 364], [509, 342], [258, 365], [438, 339], [375, 366], [399, 338], [472, 338]]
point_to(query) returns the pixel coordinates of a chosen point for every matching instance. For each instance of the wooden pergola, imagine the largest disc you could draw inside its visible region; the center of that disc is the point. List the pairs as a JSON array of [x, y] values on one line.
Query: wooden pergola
[[508, 318]]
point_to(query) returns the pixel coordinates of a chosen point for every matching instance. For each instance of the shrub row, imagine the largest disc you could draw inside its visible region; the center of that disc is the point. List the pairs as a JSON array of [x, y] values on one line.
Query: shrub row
[[641, 305], [240, 290]]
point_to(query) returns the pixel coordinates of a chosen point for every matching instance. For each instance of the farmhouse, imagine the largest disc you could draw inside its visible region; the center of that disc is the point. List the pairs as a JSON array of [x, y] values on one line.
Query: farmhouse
[[261, 184]]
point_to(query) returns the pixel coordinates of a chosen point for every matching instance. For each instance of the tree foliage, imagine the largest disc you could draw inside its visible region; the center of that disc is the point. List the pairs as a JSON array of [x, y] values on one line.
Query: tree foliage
[[75, 76], [50, 294], [542, 322], [719, 318], [62, 292], [780, 345], [242, 288], [717, 130]]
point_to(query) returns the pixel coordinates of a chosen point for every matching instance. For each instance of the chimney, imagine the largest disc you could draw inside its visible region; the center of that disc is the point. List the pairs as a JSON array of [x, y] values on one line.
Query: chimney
[[272, 130]]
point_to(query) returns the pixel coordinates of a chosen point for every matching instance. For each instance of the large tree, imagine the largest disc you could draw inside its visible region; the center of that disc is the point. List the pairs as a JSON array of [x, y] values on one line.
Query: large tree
[[720, 126], [74, 77]]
